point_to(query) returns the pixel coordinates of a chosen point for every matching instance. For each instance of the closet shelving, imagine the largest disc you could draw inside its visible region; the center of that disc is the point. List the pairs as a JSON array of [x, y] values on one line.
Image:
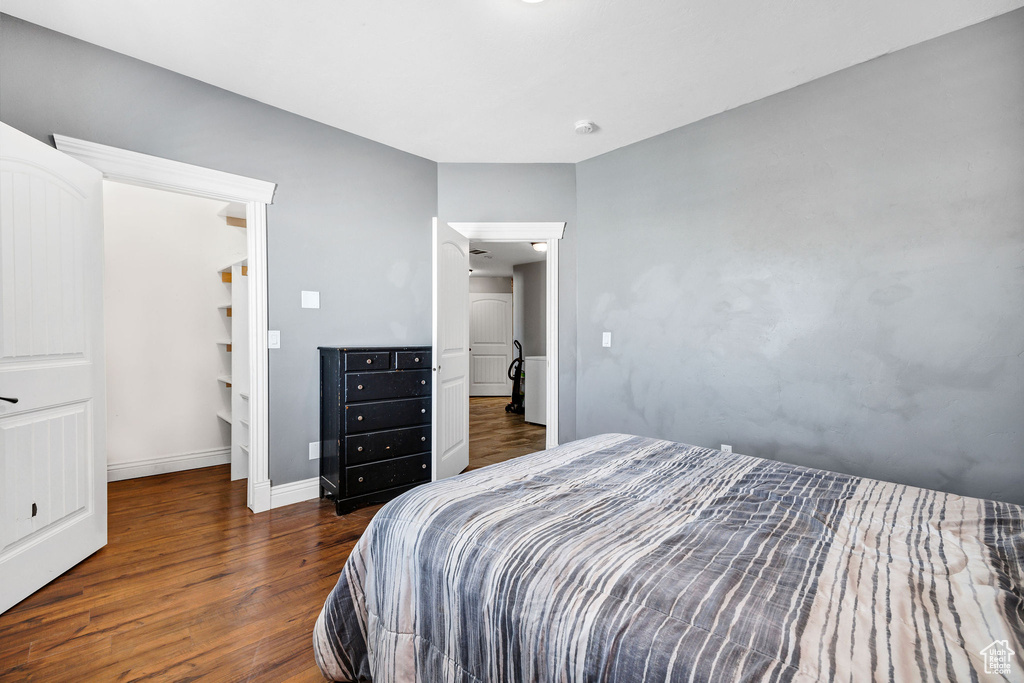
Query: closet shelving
[[236, 380]]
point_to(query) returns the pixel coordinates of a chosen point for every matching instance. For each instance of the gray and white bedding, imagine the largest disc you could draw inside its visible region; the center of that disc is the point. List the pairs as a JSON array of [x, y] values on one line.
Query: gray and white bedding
[[623, 558]]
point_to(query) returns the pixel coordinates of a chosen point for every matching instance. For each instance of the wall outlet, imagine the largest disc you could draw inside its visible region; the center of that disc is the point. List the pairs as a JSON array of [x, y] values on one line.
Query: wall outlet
[[606, 339], [310, 299], [314, 450], [273, 339], [726, 447]]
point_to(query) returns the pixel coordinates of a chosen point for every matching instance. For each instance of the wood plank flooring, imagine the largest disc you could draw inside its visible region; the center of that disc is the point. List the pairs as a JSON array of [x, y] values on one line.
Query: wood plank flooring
[[496, 436], [193, 586]]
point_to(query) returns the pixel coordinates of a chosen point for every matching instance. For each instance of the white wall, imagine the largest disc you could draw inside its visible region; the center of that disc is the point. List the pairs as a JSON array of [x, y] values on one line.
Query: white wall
[[530, 306], [481, 284], [161, 292]]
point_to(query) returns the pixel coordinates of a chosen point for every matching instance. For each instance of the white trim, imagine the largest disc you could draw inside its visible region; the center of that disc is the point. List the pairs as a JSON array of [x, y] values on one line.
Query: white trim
[[119, 471], [136, 168], [295, 492], [174, 176], [511, 231], [549, 232], [552, 343]]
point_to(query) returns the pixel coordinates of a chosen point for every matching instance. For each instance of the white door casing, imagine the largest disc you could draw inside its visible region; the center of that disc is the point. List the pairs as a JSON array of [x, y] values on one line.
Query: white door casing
[[490, 344], [53, 480], [450, 404], [135, 168], [550, 232]]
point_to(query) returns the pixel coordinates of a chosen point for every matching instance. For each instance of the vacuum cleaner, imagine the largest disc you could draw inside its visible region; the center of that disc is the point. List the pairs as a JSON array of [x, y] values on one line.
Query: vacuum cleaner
[[516, 374]]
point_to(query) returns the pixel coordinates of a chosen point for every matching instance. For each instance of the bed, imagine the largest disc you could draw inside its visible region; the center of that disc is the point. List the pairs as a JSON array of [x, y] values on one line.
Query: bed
[[624, 558]]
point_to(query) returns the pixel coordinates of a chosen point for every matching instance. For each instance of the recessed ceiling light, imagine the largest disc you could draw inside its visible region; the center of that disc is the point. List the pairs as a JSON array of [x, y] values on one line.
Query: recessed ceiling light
[[533, 1], [540, 246]]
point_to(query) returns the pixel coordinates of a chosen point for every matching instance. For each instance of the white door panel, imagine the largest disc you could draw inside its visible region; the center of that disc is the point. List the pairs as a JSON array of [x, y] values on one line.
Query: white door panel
[[52, 441], [450, 352], [490, 341]]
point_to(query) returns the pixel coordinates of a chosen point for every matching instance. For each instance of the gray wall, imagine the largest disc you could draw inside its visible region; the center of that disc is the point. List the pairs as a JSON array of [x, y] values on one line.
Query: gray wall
[[490, 285], [526, 192], [351, 217], [530, 307], [832, 276]]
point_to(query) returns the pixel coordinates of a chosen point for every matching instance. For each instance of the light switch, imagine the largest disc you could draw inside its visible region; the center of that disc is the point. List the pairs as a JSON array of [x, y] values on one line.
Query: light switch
[[273, 339], [314, 450], [606, 339], [310, 299]]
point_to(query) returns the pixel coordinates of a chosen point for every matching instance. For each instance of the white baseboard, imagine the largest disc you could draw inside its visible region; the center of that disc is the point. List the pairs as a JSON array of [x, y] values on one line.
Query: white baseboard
[[294, 492], [119, 471]]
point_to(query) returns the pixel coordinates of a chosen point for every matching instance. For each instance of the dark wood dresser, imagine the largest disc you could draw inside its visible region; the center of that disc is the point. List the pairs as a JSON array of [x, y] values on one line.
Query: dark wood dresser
[[374, 423]]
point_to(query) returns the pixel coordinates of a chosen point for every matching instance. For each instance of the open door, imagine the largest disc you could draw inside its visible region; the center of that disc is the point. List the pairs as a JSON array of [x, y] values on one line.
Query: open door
[[53, 479], [450, 352]]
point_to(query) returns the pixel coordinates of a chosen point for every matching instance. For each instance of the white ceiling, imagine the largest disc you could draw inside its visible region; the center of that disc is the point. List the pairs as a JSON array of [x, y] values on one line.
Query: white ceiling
[[500, 257], [504, 80]]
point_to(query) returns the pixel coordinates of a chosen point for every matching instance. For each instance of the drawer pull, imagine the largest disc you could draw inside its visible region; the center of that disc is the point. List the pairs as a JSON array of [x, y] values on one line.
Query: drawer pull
[[368, 362], [360, 418], [417, 360], [387, 448], [359, 387], [360, 449], [423, 438], [424, 466], [422, 410], [360, 480], [423, 381]]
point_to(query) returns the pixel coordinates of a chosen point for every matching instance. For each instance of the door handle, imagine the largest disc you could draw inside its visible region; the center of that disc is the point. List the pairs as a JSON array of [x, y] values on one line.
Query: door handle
[[9, 400]]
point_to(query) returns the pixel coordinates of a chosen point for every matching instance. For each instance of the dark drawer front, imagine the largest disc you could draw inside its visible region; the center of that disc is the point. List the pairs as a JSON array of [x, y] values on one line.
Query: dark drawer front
[[409, 360], [392, 443], [366, 417], [371, 386], [373, 360], [387, 474]]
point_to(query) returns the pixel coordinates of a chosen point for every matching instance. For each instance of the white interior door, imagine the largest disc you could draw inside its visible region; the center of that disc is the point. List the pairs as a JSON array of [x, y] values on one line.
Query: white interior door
[[490, 344], [53, 483], [450, 352]]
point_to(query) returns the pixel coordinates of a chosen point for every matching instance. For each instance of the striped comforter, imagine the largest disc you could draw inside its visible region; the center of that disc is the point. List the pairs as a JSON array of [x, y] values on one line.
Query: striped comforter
[[622, 558]]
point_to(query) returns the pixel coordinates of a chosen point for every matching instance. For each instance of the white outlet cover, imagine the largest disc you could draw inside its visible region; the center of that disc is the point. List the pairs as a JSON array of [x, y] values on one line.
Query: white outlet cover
[[606, 339], [273, 339], [726, 448], [314, 450], [310, 299]]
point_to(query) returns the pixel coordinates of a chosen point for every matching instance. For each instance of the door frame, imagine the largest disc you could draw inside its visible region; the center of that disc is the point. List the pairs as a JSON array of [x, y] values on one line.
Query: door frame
[[532, 231], [134, 168]]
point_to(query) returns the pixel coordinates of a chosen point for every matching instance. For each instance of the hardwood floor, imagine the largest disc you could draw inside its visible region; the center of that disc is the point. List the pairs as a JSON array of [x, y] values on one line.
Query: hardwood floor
[[191, 585], [496, 436]]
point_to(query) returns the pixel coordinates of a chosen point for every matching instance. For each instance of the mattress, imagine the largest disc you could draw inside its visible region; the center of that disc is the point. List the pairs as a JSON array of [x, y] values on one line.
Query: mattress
[[624, 558]]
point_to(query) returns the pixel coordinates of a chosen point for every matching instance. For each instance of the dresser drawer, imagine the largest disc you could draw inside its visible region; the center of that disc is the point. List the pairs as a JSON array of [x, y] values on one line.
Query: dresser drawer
[[392, 443], [409, 360], [387, 474], [372, 386], [368, 417], [367, 360]]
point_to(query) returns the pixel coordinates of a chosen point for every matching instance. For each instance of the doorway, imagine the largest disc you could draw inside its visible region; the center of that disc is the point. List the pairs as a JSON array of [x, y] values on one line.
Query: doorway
[[134, 168], [451, 405], [507, 338], [175, 307]]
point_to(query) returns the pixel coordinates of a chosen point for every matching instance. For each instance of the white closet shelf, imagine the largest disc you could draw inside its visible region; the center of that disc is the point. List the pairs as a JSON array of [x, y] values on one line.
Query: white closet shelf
[[244, 395], [226, 379], [244, 421], [224, 416], [245, 449]]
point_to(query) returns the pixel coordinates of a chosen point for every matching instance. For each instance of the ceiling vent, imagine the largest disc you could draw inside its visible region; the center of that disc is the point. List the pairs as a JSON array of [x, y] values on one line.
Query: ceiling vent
[[477, 252]]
